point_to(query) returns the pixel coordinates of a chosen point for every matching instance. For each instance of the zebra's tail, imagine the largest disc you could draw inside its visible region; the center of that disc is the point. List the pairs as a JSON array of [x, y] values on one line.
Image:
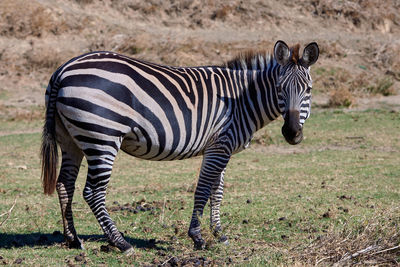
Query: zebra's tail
[[49, 152]]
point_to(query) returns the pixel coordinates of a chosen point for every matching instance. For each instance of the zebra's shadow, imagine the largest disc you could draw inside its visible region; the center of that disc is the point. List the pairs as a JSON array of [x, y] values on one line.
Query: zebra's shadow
[[14, 240]]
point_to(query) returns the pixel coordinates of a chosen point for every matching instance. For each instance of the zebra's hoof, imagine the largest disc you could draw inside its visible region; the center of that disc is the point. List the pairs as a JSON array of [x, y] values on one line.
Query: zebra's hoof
[[77, 244], [199, 244], [129, 252], [125, 248], [223, 239]]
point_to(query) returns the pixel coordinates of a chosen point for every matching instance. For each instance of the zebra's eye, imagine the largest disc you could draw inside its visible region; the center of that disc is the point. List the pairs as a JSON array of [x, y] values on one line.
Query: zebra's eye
[[308, 90]]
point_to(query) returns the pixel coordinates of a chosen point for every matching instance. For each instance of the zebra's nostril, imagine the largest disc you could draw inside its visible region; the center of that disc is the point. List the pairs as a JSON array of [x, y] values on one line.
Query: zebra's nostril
[[298, 133]]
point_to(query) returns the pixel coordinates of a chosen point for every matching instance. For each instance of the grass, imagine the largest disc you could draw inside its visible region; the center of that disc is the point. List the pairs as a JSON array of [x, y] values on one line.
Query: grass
[[338, 192], [383, 86]]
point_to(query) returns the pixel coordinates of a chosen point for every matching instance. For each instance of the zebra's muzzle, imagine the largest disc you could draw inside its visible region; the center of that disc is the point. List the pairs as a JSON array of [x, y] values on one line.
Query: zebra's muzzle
[[292, 130]]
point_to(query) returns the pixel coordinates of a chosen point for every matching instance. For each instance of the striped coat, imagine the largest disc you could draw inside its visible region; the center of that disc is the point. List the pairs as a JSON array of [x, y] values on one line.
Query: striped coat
[[101, 102]]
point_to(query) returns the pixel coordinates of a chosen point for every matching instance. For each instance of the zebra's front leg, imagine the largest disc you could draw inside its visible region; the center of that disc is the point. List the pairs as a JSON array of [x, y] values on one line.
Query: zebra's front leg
[[214, 162], [217, 192], [99, 172]]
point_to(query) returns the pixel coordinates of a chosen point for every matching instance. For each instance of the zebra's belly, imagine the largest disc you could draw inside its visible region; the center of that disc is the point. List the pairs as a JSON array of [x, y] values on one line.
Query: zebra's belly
[[138, 146]]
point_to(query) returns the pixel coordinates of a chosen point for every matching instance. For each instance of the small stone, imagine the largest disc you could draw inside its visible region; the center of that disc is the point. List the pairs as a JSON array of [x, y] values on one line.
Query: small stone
[[78, 258], [248, 201], [245, 221], [155, 261], [326, 215], [95, 251], [161, 253], [104, 248], [140, 208], [174, 261], [18, 261], [196, 262], [342, 197], [282, 219], [223, 239]]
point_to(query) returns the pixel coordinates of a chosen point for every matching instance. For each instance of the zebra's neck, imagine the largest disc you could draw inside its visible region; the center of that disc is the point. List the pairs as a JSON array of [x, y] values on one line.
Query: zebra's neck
[[257, 99]]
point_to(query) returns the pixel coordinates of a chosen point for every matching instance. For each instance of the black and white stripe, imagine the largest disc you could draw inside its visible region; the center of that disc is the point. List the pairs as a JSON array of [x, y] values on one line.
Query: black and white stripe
[[101, 102]]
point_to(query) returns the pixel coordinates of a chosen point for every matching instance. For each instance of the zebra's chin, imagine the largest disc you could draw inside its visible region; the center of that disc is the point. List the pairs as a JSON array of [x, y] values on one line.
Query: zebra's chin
[[295, 140]]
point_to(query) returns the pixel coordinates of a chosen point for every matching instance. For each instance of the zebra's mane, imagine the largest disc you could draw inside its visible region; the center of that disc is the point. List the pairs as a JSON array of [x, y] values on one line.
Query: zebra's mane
[[250, 60], [258, 60]]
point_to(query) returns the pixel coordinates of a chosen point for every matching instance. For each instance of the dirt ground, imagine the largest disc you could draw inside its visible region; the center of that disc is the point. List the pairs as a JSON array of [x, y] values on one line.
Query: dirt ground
[[359, 41]]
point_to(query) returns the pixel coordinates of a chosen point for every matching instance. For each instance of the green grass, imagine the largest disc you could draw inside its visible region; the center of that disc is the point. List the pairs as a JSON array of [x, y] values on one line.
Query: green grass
[[343, 175]]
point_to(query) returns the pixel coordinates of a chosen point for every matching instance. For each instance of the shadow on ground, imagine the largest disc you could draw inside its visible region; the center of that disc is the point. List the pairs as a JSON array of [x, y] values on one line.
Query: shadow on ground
[[13, 240]]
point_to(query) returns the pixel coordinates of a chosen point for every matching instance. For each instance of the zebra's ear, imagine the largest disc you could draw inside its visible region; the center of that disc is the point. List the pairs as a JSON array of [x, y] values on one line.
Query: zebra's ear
[[281, 53], [310, 54]]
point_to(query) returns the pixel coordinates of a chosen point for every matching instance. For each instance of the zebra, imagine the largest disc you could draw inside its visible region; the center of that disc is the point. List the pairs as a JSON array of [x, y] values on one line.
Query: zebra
[[102, 102]]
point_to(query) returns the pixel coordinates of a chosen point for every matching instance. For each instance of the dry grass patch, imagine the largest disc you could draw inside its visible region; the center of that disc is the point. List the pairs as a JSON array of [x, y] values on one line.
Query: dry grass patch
[[11, 113], [21, 19], [383, 86], [364, 241], [341, 97]]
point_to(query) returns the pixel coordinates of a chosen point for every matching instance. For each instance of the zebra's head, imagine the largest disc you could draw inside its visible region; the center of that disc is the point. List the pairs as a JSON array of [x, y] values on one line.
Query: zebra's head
[[293, 85]]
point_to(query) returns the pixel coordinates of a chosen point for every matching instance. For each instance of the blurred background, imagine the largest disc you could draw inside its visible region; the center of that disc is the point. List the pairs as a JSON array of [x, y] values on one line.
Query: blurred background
[[359, 41]]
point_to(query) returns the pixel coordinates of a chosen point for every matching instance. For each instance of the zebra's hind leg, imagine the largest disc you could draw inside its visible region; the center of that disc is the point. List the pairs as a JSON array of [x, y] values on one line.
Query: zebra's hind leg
[[71, 161], [99, 171], [214, 162], [217, 192]]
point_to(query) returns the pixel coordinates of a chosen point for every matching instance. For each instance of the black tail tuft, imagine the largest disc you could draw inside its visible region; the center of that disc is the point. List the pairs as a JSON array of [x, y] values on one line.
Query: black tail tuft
[[49, 152]]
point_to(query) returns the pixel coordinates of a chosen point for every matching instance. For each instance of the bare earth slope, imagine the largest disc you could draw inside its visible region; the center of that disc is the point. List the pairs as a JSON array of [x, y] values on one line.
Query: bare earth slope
[[359, 40]]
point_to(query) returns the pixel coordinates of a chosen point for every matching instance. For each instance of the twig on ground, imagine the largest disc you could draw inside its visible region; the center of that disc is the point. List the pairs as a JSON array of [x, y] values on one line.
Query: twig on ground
[[356, 254], [162, 213], [165, 262], [386, 250], [321, 260], [8, 213]]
